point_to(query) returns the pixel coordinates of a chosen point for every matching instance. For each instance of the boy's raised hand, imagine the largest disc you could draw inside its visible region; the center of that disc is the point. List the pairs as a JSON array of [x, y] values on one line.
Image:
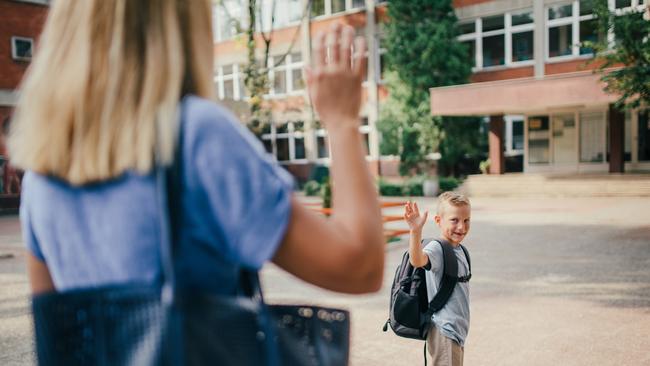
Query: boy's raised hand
[[412, 216]]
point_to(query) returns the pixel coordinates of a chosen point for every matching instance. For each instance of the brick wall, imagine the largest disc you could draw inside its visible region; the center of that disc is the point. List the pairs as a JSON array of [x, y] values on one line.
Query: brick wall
[[21, 20]]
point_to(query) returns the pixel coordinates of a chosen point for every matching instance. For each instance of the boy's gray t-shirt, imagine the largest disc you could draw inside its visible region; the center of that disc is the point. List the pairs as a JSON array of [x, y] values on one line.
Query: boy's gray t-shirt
[[453, 319]]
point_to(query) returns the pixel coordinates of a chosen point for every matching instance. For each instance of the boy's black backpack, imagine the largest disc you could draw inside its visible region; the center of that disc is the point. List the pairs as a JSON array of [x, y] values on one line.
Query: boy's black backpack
[[410, 312]]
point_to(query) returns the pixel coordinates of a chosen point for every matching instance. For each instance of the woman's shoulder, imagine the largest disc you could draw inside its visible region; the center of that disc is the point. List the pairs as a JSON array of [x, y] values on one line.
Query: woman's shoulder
[[207, 122]]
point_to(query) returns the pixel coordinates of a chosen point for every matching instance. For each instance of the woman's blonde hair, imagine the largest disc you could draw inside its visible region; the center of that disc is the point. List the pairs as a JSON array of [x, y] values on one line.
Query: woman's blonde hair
[[105, 81]]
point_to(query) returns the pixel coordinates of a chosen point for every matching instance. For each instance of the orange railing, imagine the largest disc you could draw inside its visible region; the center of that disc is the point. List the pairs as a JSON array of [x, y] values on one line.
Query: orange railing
[[388, 233]]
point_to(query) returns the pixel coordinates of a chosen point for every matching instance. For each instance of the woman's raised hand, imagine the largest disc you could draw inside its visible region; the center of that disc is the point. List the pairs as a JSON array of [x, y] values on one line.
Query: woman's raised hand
[[334, 80]]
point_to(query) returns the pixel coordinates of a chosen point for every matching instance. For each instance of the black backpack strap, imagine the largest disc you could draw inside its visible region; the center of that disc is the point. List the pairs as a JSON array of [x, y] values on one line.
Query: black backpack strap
[[448, 280], [469, 264]]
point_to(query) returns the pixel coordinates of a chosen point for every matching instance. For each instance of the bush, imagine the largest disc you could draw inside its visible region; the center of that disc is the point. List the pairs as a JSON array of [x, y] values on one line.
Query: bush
[[311, 188], [389, 189], [413, 187], [448, 183]]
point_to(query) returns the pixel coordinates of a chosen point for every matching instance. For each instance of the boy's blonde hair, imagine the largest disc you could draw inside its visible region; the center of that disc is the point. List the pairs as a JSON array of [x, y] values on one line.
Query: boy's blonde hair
[[451, 198], [104, 85]]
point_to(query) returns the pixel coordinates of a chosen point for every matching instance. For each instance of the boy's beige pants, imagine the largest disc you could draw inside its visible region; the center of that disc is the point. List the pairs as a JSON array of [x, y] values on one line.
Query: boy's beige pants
[[443, 351]]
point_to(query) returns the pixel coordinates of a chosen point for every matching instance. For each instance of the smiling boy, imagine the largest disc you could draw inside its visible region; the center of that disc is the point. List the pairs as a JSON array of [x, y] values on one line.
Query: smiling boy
[[446, 338]]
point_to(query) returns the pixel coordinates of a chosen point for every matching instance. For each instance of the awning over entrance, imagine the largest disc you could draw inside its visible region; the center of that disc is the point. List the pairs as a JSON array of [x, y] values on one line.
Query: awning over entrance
[[521, 96]]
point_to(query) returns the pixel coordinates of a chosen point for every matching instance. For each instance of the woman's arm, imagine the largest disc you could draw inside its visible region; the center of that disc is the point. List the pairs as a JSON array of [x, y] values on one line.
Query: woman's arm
[[344, 253], [39, 276]]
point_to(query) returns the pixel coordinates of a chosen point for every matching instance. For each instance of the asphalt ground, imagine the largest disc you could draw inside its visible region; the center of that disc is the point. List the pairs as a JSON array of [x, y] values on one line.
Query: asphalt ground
[[556, 281]]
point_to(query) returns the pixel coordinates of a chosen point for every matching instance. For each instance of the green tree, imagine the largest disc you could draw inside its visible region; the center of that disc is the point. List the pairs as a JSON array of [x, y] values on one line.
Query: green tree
[[423, 51], [630, 48]]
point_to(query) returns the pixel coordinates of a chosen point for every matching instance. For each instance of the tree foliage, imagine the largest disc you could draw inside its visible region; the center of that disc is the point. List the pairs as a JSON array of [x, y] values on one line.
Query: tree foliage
[[423, 52], [630, 48]]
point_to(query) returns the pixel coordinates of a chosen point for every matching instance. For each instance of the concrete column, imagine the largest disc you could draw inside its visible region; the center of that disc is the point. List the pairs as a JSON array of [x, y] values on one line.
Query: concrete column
[[495, 140], [311, 148], [616, 140], [372, 104], [539, 37]]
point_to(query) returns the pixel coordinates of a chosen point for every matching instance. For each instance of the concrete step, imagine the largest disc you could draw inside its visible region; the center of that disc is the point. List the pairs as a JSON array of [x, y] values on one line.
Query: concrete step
[[540, 185]]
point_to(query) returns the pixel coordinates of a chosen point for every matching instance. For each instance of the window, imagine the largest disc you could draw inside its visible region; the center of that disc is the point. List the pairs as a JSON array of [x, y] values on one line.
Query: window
[[538, 140], [225, 19], [592, 137], [569, 27], [317, 8], [21, 48], [521, 41], [500, 40], [337, 6], [322, 144], [286, 74], [358, 3], [493, 29], [230, 82], [285, 141]]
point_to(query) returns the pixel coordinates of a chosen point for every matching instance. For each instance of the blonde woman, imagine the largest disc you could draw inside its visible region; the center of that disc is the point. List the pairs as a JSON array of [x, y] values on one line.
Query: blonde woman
[[109, 74]]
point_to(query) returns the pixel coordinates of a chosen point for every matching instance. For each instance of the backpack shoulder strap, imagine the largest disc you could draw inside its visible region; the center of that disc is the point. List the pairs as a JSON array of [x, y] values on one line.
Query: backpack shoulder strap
[[469, 262], [448, 280]]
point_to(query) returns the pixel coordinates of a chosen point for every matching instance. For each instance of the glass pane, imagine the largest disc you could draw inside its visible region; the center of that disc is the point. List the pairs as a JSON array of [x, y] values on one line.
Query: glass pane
[[564, 137], [243, 92], [517, 135], [338, 6], [560, 41], [588, 32], [644, 136], [560, 11], [296, 57], [282, 145], [23, 48], [471, 52], [283, 128], [297, 82], [522, 46], [466, 28], [227, 70], [623, 3], [358, 3], [228, 89], [382, 65], [538, 140], [298, 126], [280, 82], [299, 145], [295, 10], [493, 51], [317, 8], [522, 18], [323, 150], [279, 61], [592, 139], [268, 145], [586, 7], [493, 23]]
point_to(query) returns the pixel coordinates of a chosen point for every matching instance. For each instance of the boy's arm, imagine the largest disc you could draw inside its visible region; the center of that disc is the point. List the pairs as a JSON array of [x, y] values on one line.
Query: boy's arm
[[417, 257]]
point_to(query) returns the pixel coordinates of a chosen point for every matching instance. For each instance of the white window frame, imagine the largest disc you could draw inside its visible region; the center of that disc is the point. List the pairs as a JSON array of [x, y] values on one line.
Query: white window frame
[[288, 67], [291, 135], [14, 50], [220, 78], [574, 20], [508, 31], [328, 9]]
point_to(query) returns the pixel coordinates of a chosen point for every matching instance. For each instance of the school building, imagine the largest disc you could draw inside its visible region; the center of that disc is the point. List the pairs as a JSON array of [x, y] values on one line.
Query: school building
[[534, 81]]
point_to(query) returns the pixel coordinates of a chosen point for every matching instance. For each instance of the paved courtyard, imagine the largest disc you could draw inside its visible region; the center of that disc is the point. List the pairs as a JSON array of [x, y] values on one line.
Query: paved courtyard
[[556, 281]]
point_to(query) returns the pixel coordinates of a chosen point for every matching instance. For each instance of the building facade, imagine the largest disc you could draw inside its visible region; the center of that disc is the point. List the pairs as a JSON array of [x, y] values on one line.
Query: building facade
[[295, 136], [533, 77], [21, 21]]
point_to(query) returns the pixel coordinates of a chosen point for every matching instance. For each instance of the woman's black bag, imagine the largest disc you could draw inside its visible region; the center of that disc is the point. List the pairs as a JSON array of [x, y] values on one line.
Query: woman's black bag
[[163, 325]]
